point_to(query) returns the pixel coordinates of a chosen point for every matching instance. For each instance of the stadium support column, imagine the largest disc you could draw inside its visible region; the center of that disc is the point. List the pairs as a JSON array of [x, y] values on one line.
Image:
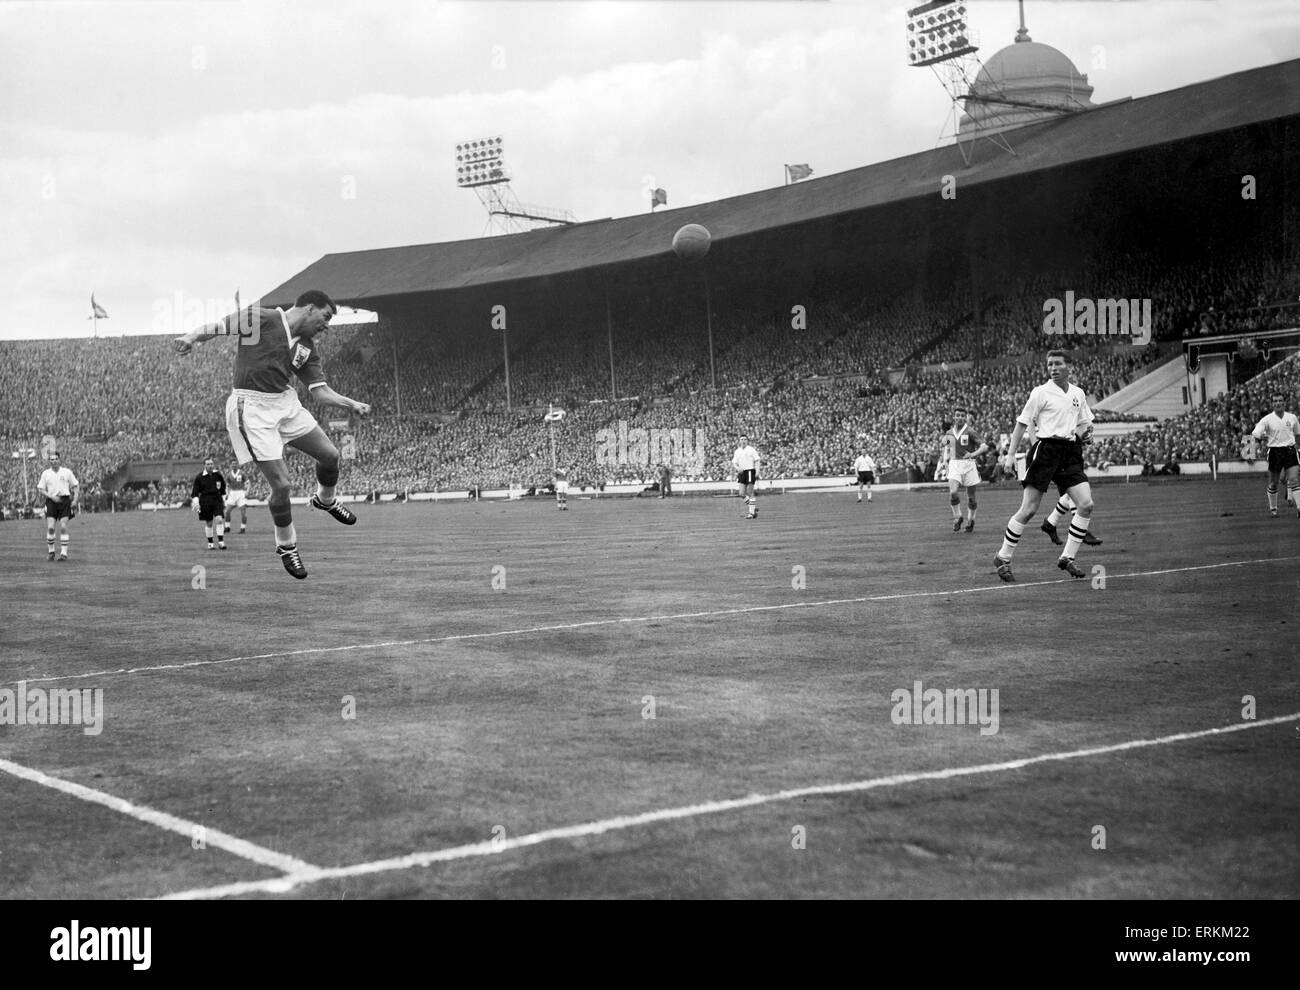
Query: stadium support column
[[397, 382], [505, 344], [708, 317], [609, 334]]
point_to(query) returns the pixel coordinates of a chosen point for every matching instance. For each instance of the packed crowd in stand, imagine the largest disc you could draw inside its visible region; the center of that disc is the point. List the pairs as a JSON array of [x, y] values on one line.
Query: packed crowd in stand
[[1217, 429], [810, 394]]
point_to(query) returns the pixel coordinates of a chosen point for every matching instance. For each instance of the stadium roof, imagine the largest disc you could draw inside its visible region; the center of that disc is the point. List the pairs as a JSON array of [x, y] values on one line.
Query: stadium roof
[[1234, 101]]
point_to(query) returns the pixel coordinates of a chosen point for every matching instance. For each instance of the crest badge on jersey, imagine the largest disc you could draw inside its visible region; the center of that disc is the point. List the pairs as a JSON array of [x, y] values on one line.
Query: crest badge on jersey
[[300, 355]]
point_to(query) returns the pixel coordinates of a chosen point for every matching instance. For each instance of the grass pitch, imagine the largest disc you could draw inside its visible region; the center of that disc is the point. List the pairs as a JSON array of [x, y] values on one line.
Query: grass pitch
[[459, 680]]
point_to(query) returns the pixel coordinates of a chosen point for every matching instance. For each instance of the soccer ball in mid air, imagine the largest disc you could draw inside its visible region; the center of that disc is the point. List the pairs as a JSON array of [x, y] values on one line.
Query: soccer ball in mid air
[[691, 242]]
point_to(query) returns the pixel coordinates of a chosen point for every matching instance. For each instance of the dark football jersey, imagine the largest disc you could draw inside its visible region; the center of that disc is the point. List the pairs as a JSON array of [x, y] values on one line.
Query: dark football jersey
[[268, 356]]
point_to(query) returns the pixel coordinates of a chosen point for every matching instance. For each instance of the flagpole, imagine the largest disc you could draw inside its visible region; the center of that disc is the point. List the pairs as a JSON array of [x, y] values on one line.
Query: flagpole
[[550, 423], [787, 174]]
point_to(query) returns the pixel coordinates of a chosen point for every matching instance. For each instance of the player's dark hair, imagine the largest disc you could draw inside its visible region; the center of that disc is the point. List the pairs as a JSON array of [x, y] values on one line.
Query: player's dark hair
[[314, 297], [1063, 355]]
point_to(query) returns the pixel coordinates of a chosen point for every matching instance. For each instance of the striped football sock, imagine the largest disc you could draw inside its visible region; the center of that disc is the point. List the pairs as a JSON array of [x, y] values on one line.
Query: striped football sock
[[1011, 538], [1057, 514], [1078, 527]]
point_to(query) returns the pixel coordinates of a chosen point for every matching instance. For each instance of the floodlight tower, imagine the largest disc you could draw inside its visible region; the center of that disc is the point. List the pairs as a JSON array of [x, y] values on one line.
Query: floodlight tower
[[939, 36], [480, 165]]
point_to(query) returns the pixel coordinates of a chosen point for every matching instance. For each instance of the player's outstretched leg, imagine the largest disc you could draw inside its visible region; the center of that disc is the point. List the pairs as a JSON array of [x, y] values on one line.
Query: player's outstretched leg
[[318, 446], [286, 537], [1081, 496]]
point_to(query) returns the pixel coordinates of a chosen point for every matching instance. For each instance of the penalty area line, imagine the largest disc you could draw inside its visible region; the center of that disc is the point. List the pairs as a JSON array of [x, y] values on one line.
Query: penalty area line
[[161, 819], [594, 623], [493, 847]]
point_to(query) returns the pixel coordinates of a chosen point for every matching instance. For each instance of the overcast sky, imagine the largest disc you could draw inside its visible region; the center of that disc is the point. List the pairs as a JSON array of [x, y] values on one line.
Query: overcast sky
[[164, 153]]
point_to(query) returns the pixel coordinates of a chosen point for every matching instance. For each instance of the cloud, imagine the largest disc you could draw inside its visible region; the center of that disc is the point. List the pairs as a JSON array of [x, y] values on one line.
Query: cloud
[[199, 147]]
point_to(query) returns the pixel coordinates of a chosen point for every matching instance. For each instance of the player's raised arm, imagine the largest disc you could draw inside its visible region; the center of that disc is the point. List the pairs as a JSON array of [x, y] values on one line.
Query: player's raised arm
[[323, 393], [209, 331]]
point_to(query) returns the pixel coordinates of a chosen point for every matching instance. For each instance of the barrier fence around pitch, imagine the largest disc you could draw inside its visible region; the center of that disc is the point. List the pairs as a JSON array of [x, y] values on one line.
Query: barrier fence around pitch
[[844, 484]]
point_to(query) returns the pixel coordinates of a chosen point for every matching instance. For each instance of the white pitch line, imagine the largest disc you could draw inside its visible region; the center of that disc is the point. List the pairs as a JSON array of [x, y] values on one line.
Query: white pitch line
[[493, 847], [161, 819], [561, 627]]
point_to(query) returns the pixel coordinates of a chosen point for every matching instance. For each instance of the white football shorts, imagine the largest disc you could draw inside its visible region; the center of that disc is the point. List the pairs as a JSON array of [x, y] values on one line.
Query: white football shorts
[[260, 424], [964, 472]]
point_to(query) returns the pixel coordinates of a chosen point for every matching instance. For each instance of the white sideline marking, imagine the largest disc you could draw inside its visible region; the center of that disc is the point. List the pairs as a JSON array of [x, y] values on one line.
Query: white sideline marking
[[493, 847], [211, 836], [1001, 586]]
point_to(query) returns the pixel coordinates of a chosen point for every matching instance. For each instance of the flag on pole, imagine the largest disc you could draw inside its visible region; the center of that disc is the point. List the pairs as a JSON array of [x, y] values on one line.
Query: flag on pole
[[797, 172], [658, 198], [96, 310]]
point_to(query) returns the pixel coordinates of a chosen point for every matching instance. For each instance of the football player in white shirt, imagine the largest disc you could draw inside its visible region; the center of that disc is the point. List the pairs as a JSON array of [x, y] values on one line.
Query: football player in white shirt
[[866, 469], [59, 486], [1063, 420], [1280, 428], [561, 489], [745, 460]]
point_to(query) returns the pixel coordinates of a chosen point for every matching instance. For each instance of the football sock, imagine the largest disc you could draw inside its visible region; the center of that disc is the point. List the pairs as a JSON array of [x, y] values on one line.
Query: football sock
[[1272, 497], [220, 527], [324, 493], [1078, 526], [1057, 514], [63, 544], [955, 504], [50, 542], [286, 536], [1011, 538]]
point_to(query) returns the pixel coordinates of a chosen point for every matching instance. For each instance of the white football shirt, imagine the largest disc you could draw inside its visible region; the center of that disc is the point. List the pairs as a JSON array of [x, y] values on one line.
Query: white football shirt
[[1055, 413], [1279, 431], [56, 484], [745, 459]]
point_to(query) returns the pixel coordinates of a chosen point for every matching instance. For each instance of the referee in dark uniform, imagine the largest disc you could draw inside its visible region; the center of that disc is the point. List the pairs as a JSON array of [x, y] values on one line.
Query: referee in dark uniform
[[208, 496]]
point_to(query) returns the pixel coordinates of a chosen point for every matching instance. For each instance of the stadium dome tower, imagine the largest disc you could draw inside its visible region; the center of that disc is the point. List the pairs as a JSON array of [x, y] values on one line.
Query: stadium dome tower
[[1022, 83]]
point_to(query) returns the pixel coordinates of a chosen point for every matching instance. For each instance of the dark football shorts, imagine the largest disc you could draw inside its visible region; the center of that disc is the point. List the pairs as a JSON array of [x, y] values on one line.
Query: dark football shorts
[[1281, 458], [1052, 461], [746, 477], [210, 507], [58, 508], [866, 478]]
